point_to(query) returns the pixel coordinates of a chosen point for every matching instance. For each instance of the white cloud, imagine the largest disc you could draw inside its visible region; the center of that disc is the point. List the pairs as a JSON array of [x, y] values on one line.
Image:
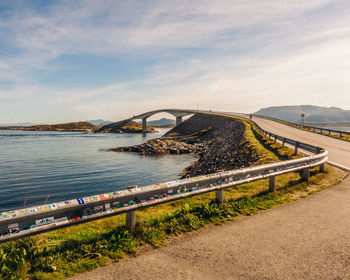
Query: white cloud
[[250, 53]]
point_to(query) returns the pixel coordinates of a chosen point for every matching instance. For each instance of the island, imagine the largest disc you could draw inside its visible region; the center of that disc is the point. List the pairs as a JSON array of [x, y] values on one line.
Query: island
[[72, 126]]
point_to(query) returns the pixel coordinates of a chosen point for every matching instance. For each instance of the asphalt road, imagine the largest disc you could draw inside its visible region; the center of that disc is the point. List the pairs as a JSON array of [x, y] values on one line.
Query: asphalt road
[[339, 151], [305, 239]]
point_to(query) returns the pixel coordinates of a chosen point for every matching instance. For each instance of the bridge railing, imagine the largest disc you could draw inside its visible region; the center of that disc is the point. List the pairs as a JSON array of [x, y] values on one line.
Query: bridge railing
[[308, 127], [38, 219]]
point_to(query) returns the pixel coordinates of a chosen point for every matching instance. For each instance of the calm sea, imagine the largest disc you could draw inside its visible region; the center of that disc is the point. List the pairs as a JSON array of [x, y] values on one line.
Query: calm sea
[[36, 166]]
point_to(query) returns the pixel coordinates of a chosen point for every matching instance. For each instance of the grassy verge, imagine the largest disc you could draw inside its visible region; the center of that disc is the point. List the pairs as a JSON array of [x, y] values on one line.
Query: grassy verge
[[65, 252]]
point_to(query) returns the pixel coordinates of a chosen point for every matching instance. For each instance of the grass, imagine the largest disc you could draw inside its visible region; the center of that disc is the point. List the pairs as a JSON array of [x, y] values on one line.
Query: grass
[[62, 253]]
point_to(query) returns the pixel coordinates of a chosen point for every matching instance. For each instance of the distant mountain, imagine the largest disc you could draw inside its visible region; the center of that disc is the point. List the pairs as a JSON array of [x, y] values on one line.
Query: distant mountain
[[312, 113], [99, 122], [163, 121]]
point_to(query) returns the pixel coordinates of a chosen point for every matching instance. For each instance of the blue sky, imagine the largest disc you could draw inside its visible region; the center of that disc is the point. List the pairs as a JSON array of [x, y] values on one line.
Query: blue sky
[[77, 60]]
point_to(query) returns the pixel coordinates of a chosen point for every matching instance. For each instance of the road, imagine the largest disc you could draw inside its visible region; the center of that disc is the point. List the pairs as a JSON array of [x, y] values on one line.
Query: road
[[305, 239], [339, 151]]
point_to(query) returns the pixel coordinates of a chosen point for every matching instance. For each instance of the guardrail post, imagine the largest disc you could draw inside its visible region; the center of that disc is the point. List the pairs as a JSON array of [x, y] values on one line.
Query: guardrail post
[[322, 167], [305, 174], [130, 220], [296, 147], [220, 196], [272, 184], [284, 142], [340, 135], [275, 138]]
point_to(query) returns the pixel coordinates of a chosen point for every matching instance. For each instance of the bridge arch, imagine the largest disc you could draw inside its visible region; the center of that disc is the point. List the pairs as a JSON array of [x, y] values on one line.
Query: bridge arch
[[177, 113]]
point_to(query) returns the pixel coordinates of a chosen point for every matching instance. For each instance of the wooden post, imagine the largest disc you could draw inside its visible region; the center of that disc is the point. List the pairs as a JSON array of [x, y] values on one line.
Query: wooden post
[[272, 184], [130, 220], [220, 196]]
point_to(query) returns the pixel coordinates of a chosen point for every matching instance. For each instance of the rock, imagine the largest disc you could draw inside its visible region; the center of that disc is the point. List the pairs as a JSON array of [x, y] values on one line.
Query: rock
[[217, 141]]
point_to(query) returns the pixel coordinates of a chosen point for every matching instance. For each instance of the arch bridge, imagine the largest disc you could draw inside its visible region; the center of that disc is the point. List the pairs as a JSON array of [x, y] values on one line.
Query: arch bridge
[[177, 113]]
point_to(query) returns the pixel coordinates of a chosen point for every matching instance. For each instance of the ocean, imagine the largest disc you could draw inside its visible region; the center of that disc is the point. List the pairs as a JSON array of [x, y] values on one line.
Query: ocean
[[38, 167]]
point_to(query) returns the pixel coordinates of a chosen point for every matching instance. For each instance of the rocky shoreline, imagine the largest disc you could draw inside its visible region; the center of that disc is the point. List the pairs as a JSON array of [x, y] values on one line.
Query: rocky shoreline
[[217, 141]]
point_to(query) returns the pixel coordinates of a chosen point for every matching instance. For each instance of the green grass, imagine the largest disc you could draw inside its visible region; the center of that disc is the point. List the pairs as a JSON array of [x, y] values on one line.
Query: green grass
[[66, 252]]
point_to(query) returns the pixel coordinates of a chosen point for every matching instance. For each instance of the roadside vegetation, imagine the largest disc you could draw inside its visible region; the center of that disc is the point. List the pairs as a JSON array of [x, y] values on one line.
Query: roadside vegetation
[[66, 252]]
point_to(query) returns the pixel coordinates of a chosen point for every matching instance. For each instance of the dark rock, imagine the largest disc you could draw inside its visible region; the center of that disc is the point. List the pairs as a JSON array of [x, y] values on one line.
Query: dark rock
[[218, 142]]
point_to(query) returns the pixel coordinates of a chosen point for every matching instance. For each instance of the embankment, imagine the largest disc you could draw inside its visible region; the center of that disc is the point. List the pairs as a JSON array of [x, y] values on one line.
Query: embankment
[[219, 142]]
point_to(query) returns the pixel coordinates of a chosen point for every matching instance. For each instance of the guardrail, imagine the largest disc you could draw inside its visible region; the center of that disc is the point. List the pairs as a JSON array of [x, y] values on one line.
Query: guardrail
[[308, 127], [33, 220]]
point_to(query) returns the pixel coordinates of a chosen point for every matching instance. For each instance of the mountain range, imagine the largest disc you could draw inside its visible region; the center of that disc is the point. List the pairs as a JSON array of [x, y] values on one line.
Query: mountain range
[[313, 114]]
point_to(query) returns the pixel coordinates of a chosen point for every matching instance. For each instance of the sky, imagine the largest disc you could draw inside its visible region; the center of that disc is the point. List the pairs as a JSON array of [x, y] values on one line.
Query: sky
[[64, 61]]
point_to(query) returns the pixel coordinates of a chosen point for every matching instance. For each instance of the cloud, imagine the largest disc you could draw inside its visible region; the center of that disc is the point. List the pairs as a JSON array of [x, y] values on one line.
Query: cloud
[[218, 54]]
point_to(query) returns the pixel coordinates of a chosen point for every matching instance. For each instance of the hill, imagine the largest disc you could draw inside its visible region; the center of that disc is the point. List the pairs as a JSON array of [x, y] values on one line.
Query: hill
[[72, 126], [99, 122], [162, 122], [313, 114], [125, 126]]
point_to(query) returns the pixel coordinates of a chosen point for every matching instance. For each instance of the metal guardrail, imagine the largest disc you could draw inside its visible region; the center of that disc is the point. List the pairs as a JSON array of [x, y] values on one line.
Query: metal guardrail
[[33, 220], [309, 127]]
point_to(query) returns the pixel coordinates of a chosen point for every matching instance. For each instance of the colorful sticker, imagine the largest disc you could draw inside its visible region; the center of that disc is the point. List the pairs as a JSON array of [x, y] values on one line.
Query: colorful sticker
[[80, 201], [25, 228], [5, 215], [14, 230], [104, 196], [45, 221], [76, 218], [63, 203], [53, 206], [45, 208], [95, 198]]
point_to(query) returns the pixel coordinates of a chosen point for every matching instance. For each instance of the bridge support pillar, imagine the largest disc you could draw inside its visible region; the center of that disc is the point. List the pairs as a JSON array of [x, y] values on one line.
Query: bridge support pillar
[[272, 184], [322, 167], [178, 120], [220, 196], [305, 174], [144, 125], [130, 220]]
